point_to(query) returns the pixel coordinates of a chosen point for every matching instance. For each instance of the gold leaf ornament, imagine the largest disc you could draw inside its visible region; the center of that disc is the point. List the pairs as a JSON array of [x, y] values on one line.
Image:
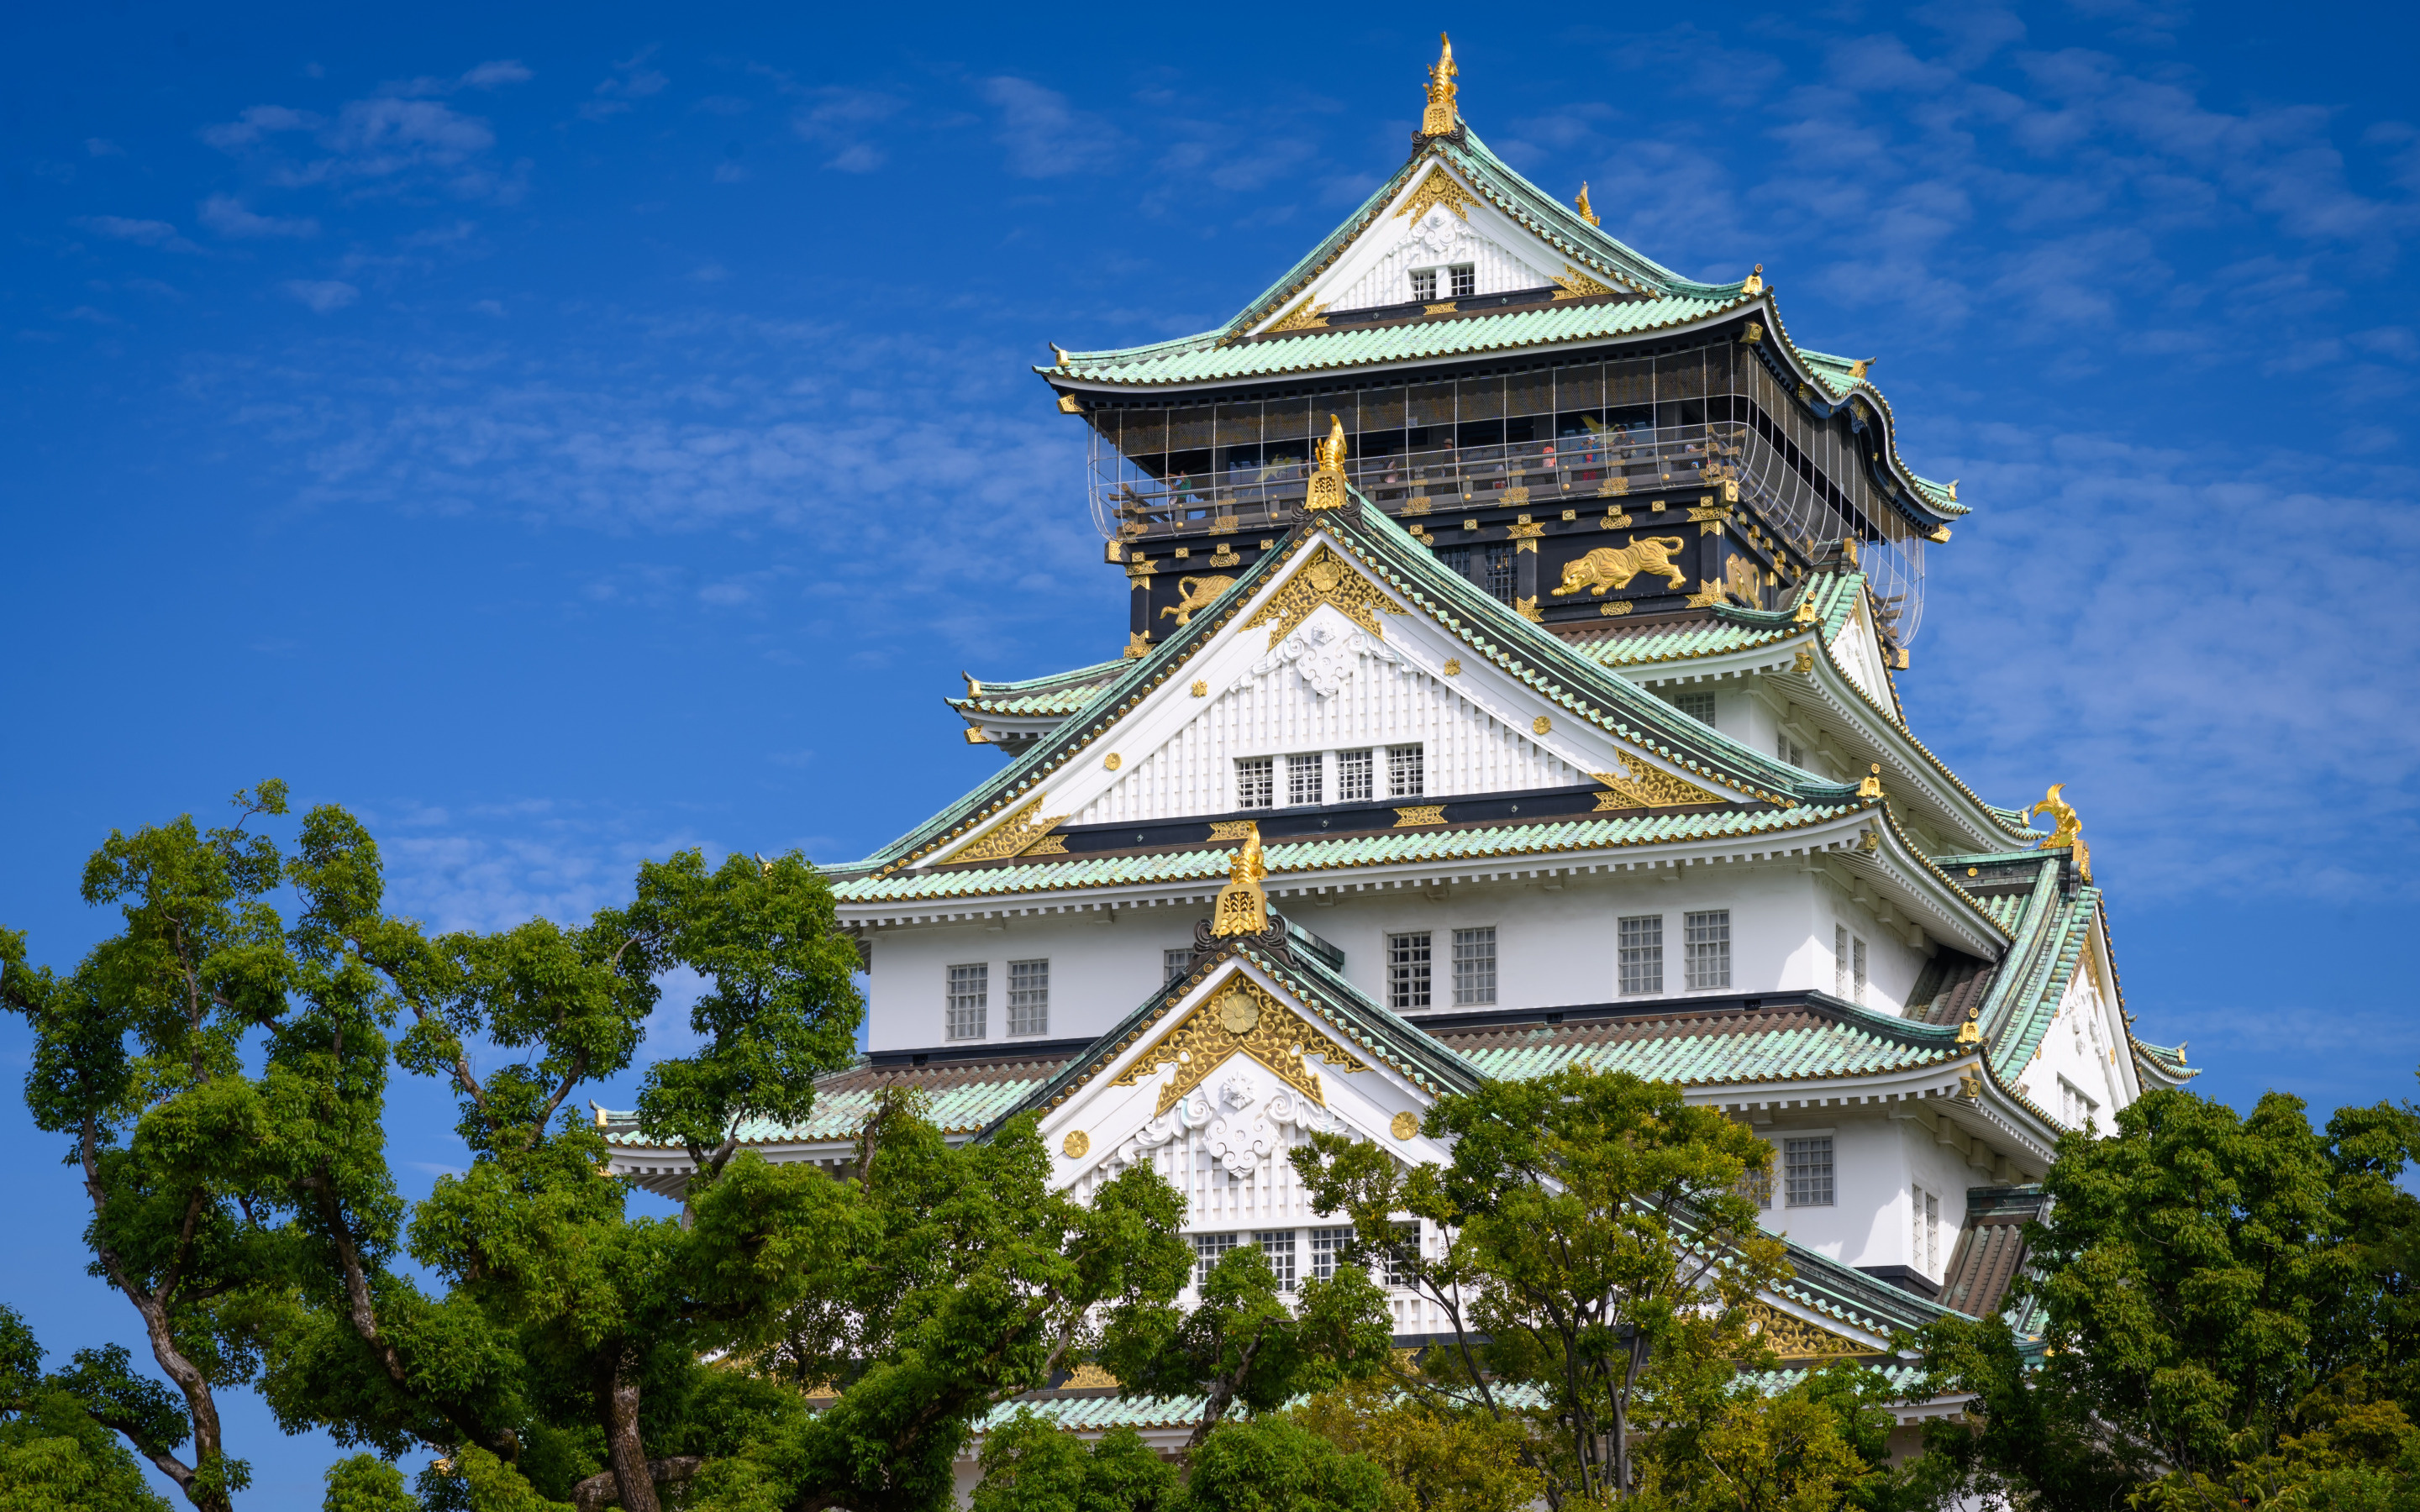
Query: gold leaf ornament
[[1325, 578], [1642, 786], [1238, 1019], [1243, 908], [1077, 1145]]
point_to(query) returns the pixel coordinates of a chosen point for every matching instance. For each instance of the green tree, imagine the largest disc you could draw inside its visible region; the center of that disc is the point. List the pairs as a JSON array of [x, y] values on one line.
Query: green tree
[[1031, 1465], [363, 1483], [1593, 1230], [1275, 1464], [1438, 1459], [55, 1455], [1247, 1344], [2214, 1289]]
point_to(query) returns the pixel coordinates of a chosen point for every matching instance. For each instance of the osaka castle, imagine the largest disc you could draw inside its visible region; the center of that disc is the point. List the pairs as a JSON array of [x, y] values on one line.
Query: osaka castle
[[1511, 680]]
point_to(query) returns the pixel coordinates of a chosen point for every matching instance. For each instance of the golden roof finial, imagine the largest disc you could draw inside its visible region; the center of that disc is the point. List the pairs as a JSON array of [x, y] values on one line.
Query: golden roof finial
[[1241, 908], [1755, 284], [1440, 119], [1588, 211], [1327, 490], [1060, 352]]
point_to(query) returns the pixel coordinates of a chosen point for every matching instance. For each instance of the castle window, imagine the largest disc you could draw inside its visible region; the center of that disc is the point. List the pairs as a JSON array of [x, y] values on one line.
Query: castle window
[[1277, 1245], [2075, 1110], [1464, 280], [1424, 284], [1697, 706], [1474, 966], [1175, 963], [1256, 782], [1924, 1244], [1641, 941], [1489, 567], [1706, 949], [1790, 751], [1207, 1248], [1408, 971], [970, 993], [1807, 1171], [1857, 969], [1353, 770], [1404, 779], [1403, 1253], [1305, 780], [1029, 998], [1326, 1245]]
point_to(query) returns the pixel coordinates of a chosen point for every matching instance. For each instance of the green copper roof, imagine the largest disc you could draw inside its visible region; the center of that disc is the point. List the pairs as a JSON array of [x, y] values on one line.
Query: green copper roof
[[1638, 646], [1057, 693], [1714, 1049]]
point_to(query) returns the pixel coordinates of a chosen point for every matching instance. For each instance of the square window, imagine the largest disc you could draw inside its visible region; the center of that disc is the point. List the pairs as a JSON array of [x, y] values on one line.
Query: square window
[[1697, 706], [1407, 972], [1029, 998], [1174, 964], [1326, 1245], [1306, 780], [1706, 949], [1424, 284], [1641, 942], [970, 993], [1353, 770], [1807, 1171], [1403, 1253], [1404, 779], [1256, 782], [1465, 280], [1206, 1250], [1277, 1245], [1474, 966]]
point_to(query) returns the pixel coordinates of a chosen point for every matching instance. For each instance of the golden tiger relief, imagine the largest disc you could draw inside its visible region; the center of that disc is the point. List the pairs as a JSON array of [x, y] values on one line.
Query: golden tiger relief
[[1613, 566]]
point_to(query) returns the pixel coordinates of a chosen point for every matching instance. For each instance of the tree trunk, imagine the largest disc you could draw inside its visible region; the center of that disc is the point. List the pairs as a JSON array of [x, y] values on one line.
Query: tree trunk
[[619, 1406]]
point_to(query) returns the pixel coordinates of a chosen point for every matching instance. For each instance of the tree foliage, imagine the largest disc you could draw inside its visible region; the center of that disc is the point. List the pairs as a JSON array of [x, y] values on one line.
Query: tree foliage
[[1029, 1465], [56, 1456], [2226, 1303], [1594, 1231], [1438, 1459]]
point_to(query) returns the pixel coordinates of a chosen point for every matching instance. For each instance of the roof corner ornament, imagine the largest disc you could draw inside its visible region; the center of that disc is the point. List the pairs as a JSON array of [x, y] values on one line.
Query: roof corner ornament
[[2068, 830], [1858, 368], [1872, 785], [1588, 211], [1755, 285], [1805, 613], [1328, 482], [1971, 1031], [1060, 352], [1953, 491], [1440, 119], [1753, 334], [1243, 908], [1070, 405]]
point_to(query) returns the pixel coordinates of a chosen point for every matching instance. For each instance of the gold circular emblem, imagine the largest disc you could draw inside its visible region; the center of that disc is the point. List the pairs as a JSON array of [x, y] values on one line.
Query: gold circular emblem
[[1078, 1144], [1405, 1125], [1324, 575], [1110, 761], [1542, 724], [1237, 1012]]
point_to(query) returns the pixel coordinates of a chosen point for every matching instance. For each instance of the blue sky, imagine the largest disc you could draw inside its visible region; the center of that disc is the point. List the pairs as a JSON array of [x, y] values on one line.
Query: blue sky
[[565, 434]]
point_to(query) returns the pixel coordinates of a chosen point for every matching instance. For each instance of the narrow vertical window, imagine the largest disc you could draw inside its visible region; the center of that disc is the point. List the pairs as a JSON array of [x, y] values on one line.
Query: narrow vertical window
[[1306, 780], [1354, 771], [1474, 966], [1857, 969], [1404, 778], [1256, 785], [1841, 961], [1706, 949], [1931, 1234], [1326, 1245], [1465, 280], [1697, 706], [1807, 1171], [970, 994], [1424, 283], [1277, 1246], [1174, 964], [1029, 998], [1403, 1255], [1496, 572], [1408, 971], [1916, 1235], [1206, 1250], [1642, 954]]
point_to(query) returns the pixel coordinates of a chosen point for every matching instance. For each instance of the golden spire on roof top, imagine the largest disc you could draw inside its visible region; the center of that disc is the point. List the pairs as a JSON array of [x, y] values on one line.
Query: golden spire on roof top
[[1327, 484], [1440, 119], [1588, 213]]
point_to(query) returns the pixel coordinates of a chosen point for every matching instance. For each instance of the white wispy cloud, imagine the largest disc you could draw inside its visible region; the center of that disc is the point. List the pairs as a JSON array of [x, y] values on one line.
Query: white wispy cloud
[[143, 233], [228, 216], [1045, 136], [323, 295]]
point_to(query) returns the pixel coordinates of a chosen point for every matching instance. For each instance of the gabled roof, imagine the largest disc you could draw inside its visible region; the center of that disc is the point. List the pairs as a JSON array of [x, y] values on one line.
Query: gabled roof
[[1057, 693]]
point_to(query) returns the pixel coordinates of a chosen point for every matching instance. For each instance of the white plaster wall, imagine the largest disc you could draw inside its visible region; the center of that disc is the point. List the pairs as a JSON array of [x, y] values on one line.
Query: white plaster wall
[[2079, 1046], [1466, 749], [1553, 947], [1892, 965], [1441, 239], [1873, 1162]]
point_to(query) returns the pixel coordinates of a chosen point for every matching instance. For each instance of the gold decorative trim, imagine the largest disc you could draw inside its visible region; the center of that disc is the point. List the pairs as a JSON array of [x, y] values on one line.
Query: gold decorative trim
[[1201, 688], [1069, 406], [1241, 908], [1137, 645], [1233, 828], [1453, 665], [1645, 787], [1525, 534], [1241, 1019], [1528, 608], [1304, 316], [1588, 213], [1444, 307], [1077, 1145], [1414, 817], [1615, 607], [1440, 118], [976, 737], [1090, 1376], [1574, 285], [1806, 663], [1440, 188], [1012, 836], [1194, 594], [1325, 578], [1326, 489], [1404, 1125], [1870, 786], [1615, 519], [1416, 505], [1708, 593], [1539, 725], [1753, 334], [1794, 1339], [1225, 556]]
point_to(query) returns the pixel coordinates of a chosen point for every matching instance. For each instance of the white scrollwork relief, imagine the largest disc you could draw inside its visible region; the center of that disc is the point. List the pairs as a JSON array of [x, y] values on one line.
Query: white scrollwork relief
[[1327, 652]]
